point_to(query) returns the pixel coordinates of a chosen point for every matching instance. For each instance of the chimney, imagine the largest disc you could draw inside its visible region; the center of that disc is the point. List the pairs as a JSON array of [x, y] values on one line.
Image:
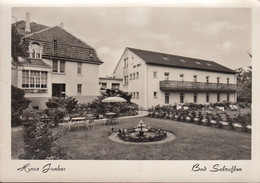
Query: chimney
[[27, 26], [62, 25]]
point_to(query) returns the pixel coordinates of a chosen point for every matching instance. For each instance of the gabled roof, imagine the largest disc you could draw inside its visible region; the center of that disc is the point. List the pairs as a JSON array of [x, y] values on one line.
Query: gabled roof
[[68, 46], [61, 35], [33, 26], [164, 59]]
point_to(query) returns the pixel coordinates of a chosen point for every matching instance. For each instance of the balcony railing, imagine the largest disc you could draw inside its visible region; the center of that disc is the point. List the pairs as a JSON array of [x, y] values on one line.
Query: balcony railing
[[171, 85]]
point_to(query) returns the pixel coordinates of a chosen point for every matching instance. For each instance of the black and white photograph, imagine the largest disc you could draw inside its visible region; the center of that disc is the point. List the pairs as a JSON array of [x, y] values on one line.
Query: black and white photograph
[[144, 84]]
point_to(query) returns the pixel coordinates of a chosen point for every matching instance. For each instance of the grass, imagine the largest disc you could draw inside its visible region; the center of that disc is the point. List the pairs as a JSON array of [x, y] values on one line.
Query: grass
[[193, 142]]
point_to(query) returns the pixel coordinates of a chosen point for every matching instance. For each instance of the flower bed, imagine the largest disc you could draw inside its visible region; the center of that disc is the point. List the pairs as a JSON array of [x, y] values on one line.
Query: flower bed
[[209, 117], [132, 135]]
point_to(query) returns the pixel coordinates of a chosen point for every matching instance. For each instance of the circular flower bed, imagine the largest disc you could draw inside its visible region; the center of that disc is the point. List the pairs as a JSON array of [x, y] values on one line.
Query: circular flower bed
[[148, 135]]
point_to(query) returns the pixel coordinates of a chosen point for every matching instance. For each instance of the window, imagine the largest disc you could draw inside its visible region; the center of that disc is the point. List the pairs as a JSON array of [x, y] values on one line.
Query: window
[[195, 97], [62, 66], [35, 50], [166, 98], [207, 97], [90, 56], [115, 86], [207, 79], [182, 77], [138, 65], [165, 58], [195, 78], [137, 75], [103, 86], [79, 88], [79, 67], [228, 81], [25, 79], [154, 74], [181, 97], [55, 66], [217, 80], [34, 79], [43, 79], [133, 95], [125, 62], [137, 95], [55, 47], [58, 66], [126, 79], [228, 97], [166, 75], [155, 95], [132, 60], [218, 97], [133, 76]]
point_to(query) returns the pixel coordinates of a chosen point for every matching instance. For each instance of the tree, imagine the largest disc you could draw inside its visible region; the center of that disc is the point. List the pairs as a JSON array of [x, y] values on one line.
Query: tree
[[18, 104], [17, 48], [40, 142], [244, 84]]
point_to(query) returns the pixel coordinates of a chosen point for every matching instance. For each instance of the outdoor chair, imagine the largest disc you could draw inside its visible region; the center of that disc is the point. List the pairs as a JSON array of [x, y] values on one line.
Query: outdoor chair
[[235, 108], [66, 123], [90, 118]]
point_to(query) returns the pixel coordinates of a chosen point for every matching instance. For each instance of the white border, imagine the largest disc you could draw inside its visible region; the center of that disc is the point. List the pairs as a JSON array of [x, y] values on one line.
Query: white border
[[124, 171]]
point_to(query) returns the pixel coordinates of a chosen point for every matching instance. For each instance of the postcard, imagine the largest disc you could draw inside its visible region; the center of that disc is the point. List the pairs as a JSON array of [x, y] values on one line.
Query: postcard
[[108, 91]]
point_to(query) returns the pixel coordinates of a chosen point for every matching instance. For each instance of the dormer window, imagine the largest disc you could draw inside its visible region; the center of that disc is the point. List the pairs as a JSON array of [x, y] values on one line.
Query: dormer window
[[90, 56], [35, 50]]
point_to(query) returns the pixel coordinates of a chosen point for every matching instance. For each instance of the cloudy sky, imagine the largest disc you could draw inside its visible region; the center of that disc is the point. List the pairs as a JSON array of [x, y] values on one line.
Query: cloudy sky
[[221, 34]]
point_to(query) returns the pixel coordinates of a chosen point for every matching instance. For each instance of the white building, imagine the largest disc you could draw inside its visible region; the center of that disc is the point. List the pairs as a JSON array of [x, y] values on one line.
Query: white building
[[110, 83], [55, 63], [157, 78]]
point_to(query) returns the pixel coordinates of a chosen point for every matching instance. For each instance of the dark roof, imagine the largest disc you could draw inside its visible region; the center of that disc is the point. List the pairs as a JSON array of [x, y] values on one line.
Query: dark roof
[[164, 59], [34, 27], [68, 46], [35, 62]]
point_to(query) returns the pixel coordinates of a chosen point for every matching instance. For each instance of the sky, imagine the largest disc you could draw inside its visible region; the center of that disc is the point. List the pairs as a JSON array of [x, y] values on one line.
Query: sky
[[222, 35]]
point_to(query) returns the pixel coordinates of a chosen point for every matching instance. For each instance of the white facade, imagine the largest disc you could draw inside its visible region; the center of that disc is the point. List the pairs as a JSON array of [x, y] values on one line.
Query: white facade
[[88, 79], [110, 83], [148, 83]]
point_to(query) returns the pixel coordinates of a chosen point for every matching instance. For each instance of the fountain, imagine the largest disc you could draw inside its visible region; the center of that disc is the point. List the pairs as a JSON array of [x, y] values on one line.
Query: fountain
[[141, 133]]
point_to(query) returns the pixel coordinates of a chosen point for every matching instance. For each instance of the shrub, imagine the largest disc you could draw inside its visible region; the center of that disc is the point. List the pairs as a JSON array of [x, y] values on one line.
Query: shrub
[[100, 107], [58, 107], [18, 104], [241, 105], [40, 143]]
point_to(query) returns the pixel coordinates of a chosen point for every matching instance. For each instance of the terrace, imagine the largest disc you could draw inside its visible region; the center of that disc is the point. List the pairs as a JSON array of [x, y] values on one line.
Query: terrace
[[171, 85]]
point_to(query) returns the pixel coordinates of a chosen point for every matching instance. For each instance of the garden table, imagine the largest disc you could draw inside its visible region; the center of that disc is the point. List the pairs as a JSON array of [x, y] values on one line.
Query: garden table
[[110, 118], [76, 120]]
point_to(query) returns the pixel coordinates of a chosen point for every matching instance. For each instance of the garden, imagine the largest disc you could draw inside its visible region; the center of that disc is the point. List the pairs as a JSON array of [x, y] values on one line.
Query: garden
[[192, 142], [197, 131]]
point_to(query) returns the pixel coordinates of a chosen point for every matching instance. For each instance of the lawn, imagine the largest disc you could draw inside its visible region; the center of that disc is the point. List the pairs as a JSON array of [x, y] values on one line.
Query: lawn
[[192, 142]]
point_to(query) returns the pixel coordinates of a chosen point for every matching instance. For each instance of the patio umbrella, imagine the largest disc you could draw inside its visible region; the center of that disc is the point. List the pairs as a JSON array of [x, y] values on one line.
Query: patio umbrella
[[114, 99]]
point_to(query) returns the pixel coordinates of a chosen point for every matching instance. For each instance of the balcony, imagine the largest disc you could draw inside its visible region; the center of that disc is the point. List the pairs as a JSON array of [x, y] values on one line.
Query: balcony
[[171, 85]]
